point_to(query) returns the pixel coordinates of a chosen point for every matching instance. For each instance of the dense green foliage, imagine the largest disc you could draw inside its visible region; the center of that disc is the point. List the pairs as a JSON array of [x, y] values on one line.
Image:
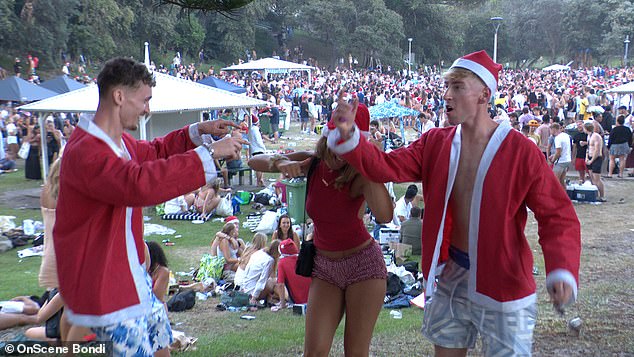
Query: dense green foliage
[[364, 29]]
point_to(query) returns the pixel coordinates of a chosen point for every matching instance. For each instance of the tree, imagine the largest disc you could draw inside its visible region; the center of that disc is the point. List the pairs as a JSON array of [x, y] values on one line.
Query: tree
[[329, 21], [189, 35], [154, 24], [375, 30], [229, 39], [101, 29], [220, 6], [620, 20]]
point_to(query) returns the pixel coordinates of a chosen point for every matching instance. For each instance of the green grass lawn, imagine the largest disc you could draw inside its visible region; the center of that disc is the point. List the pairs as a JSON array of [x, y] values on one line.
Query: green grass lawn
[[219, 333]]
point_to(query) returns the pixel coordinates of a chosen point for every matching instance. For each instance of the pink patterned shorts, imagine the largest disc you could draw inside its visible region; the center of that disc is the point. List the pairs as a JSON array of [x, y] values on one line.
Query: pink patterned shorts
[[366, 264]]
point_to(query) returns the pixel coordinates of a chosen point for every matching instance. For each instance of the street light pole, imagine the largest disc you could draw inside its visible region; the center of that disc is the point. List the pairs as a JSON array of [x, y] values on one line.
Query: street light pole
[[409, 57], [497, 21], [626, 42]]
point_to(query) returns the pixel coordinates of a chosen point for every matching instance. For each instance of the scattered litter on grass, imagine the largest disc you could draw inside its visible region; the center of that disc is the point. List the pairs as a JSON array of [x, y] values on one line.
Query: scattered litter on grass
[[31, 252], [153, 228]]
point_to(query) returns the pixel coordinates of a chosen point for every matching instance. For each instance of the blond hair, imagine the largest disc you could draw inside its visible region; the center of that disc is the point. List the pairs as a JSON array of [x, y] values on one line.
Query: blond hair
[[259, 242], [53, 178], [456, 73], [348, 173]]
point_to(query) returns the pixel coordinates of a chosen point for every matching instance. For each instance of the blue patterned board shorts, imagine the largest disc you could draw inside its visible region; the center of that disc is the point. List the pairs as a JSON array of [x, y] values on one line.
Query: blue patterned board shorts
[[451, 320], [139, 337]]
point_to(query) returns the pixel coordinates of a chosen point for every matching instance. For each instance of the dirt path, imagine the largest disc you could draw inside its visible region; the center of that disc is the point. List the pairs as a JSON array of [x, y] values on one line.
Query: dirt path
[[21, 199]]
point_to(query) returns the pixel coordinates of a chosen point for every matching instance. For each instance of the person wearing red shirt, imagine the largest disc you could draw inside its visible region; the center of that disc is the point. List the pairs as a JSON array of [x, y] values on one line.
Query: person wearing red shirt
[[349, 272], [296, 285]]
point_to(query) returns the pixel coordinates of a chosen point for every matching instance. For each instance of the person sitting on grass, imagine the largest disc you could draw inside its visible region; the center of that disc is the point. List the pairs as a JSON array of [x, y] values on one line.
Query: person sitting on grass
[[158, 270], [290, 286], [20, 310], [7, 164], [230, 248], [259, 274], [208, 198], [259, 242], [285, 230], [48, 311]]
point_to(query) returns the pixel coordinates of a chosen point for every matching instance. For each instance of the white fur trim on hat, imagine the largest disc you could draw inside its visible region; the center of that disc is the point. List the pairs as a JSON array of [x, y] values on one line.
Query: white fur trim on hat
[[479, 70], [346, 146]]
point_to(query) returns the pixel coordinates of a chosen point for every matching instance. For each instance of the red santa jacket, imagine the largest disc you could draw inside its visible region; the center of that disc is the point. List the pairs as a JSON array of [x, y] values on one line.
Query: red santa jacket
[[99, 222], [512, 176]]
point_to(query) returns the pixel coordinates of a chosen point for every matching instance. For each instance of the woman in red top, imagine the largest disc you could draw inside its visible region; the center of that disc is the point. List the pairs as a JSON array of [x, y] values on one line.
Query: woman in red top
[[349, 271]]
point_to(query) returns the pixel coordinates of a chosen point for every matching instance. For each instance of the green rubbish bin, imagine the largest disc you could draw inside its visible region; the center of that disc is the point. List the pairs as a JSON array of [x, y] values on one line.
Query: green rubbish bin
[[283, 122], [296, 199], [265, 124]]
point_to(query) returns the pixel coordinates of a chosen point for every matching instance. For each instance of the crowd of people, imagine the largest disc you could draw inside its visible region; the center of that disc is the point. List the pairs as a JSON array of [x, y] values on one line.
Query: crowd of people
[[476, 109]]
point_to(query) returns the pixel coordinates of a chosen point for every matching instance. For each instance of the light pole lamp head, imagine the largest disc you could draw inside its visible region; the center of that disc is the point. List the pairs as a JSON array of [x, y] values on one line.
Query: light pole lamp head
[[627, 39], [410, 39], [497, 21]]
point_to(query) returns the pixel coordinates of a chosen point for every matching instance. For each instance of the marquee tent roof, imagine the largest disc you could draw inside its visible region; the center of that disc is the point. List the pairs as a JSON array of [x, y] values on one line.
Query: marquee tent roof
[[62, 84], [623, 89], [220, 84], [18, 90], [270, 65], [556, 67], [171, 94]]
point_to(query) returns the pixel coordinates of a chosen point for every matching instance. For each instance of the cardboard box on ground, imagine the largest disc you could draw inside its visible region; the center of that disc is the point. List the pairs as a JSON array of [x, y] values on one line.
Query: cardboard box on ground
[[402, 251]]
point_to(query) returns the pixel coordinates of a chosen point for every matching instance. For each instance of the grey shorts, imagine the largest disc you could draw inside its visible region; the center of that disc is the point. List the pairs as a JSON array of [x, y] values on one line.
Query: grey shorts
[[558, 168], [451, 320]]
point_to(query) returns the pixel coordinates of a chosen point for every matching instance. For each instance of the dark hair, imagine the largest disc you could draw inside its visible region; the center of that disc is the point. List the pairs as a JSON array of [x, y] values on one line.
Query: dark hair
[[411, 192], [280, 233], [157, 255], [621, 119], [415, 212], [125, 72]]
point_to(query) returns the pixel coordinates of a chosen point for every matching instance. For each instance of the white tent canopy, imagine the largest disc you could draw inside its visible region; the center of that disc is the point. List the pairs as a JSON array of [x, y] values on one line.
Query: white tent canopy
[[623, 89], [171, 95], [175, 103], [270, 65], [556, 67]]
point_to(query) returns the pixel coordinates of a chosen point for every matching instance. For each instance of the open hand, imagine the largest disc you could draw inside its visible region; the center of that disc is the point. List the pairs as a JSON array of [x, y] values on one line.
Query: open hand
[[343, 116]]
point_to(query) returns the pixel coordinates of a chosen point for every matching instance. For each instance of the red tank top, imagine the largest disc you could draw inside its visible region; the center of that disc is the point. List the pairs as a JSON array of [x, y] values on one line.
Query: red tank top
[[335, 214]]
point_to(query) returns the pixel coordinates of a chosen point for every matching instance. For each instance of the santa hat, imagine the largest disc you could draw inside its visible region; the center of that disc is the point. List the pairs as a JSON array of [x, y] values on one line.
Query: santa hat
[[482, 66], [232, 219], [361, 119], [287, 247], [254, 119]]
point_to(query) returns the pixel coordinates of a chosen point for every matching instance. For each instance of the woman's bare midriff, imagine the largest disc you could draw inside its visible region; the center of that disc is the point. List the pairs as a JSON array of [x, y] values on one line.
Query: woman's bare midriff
[[343, 253]]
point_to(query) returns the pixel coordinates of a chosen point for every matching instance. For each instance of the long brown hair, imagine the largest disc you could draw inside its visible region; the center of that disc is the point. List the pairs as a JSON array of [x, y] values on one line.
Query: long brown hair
[[53, 178], [347, 172]]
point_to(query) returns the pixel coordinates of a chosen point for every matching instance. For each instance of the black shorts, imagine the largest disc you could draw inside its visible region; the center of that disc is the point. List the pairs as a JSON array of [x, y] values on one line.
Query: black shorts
[[595, 167]]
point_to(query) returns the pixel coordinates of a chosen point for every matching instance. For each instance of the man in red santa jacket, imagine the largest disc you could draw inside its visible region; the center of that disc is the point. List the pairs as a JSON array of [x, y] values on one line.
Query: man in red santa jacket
[[478, 179], [106, 178]]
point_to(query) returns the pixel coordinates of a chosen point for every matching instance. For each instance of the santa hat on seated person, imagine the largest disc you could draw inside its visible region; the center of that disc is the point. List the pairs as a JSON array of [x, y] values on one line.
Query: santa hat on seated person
[[287, 247], [232, 219]]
